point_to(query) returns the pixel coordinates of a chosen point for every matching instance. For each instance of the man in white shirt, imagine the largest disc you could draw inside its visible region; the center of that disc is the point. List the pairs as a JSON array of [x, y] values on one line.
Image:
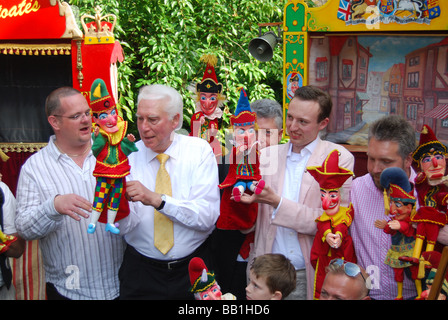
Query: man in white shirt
[[290, 202], [193, 207], [54, 198]]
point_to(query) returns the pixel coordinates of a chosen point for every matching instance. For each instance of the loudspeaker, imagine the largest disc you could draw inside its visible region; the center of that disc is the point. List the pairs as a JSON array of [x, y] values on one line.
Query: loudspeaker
[[262, 48]]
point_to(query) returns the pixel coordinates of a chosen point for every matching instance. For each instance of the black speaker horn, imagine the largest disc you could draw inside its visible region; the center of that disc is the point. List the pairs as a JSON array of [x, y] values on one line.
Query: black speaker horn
[[262, 48]]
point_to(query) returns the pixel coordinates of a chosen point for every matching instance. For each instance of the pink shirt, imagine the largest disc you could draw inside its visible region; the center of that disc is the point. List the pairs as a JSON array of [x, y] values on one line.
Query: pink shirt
[[371, 244]]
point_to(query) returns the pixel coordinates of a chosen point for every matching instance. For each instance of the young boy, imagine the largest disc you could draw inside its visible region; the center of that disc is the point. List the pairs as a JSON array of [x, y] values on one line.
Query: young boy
[[272, 277]]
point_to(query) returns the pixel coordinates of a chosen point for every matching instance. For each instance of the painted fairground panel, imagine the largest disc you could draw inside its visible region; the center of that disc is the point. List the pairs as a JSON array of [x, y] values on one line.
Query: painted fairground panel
[[370, 73]]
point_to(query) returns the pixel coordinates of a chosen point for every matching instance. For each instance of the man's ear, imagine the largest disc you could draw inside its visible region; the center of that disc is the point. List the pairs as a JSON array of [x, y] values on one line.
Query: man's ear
[[54, 122], [323, 124]]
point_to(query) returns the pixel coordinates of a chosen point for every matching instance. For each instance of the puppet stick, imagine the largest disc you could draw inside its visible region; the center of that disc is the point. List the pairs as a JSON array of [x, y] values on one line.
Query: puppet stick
[[440, 275]]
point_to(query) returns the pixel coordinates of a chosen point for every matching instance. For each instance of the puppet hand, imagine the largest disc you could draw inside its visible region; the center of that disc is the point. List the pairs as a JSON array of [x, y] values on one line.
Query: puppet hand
[[394, 225], [380, 224], [72, 205], [96, 131], [131, 137], [333, 240], [202, 120]]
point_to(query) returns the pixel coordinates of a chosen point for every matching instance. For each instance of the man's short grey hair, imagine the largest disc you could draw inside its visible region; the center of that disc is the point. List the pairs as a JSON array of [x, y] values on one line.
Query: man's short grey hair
[[174, 103], [270, 109], [394, 128]]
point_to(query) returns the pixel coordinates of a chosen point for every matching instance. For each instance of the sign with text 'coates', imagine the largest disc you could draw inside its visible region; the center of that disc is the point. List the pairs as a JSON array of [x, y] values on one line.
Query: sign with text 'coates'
[[31, 19]]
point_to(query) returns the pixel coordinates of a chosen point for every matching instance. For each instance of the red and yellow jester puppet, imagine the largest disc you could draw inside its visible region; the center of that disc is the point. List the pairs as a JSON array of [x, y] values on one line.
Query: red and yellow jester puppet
[[332, 239], [400, 204], [244, 170], [111, 148], [208, 100], [432, 192]]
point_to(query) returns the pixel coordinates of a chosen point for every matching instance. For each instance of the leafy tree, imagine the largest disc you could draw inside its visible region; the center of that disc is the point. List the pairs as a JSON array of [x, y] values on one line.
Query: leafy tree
[[163, 41]]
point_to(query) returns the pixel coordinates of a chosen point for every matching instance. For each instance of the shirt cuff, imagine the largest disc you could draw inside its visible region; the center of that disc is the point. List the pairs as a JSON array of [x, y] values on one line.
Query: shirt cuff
[[276, 209]]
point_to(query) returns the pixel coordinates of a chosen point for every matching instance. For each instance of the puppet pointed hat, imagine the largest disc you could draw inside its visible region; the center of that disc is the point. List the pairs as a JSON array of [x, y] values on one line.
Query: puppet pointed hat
[[428, 144], [243, 114], [200, 278], [330, 175], [100, 99], [397, 182], [209, 81]]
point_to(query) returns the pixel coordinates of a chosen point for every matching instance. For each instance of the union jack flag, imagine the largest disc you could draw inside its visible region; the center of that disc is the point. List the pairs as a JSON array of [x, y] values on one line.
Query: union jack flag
[[344, 10]]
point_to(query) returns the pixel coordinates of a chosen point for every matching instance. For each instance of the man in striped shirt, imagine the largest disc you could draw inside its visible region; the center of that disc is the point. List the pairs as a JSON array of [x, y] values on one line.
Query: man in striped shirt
[[54, 198], [391, 142]]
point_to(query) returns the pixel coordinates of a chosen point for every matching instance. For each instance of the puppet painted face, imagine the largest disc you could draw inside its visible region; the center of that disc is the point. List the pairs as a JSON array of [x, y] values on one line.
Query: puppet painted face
[[245, 135], [209, 102], [399, 210], [107, 120], [330, 200], [433, 166], [213, 293]]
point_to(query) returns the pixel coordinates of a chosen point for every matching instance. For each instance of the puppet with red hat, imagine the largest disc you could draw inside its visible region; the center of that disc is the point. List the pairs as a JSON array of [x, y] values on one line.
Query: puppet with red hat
[[400, 204], [244, 170], [203, 282], [332, 239], [209, 99], [432, 193], [111, 147]]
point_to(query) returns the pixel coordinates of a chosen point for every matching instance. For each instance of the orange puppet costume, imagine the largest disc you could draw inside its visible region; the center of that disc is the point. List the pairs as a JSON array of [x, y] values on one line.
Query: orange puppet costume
[[332, 239]]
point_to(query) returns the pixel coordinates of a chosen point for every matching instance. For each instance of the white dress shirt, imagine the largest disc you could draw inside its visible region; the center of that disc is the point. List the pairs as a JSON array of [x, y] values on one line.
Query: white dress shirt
[[286, 241], [80, 265], [193, 206]]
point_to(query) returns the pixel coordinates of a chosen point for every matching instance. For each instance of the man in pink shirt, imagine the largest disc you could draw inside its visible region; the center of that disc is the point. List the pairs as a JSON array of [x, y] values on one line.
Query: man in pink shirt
[[391, 142]]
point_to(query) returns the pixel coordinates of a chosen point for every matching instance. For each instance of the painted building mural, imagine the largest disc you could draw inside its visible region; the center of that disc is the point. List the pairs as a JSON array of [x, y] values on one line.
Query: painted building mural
[[370, 73]]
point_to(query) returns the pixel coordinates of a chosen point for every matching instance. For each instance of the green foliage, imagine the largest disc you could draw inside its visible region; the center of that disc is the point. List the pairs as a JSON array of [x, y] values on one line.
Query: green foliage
[[163, 41]]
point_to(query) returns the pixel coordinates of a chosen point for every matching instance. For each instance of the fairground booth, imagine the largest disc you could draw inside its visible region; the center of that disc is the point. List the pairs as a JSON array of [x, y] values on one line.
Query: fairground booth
[[45, 45]]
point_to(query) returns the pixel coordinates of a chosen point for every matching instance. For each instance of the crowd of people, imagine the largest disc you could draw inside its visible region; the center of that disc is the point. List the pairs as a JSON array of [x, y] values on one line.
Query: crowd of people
[[269, 260]]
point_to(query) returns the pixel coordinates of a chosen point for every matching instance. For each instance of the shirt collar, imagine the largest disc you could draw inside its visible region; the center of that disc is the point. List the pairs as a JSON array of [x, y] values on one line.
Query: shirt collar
[[54, 150], [172, 151], [307, 150]]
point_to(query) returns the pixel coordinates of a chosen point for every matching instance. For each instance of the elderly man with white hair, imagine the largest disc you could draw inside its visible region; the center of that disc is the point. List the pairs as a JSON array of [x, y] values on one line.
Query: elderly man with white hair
[[186, 212]]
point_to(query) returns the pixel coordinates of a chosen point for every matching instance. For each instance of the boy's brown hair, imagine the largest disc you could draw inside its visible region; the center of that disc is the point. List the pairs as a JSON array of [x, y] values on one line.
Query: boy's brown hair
[[278, 271]]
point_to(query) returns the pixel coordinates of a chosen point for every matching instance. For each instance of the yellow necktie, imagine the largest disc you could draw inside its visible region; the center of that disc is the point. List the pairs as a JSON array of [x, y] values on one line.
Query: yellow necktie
[[163, 226]]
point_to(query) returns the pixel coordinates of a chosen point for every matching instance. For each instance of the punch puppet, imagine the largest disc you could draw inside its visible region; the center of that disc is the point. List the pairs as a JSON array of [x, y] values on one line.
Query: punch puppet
[[203, 282], [209, 98], [244, 170], [111, 146], [432, 192], [399, 203], [332, 239]]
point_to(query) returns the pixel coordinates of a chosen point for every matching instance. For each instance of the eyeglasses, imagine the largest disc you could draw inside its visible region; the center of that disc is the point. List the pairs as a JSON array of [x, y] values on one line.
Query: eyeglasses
[[350, 269], [78, 116]]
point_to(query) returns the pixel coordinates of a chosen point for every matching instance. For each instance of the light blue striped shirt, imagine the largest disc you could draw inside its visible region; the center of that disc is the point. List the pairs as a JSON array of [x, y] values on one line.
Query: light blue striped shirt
[[80, 265]]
